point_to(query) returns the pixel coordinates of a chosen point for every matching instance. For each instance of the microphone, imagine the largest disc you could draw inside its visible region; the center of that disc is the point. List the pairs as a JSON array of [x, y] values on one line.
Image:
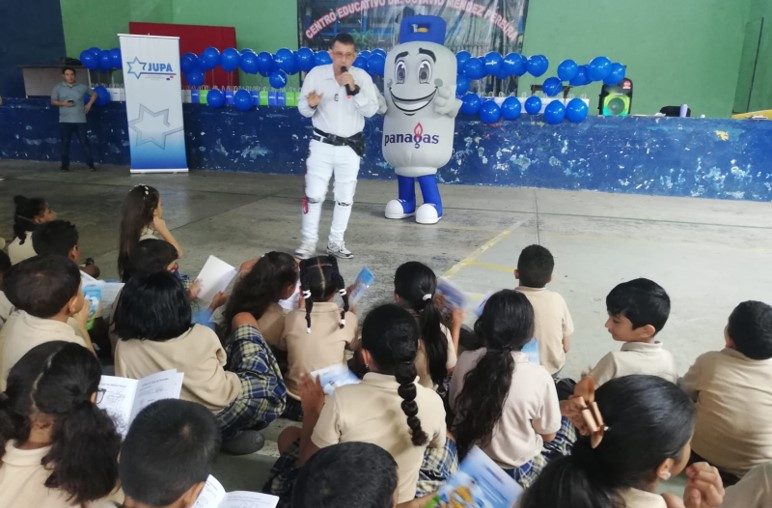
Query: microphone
[[349, 91]]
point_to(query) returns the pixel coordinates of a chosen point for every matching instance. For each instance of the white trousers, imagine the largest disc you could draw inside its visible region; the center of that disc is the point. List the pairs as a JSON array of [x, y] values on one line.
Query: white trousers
[[324, 162]]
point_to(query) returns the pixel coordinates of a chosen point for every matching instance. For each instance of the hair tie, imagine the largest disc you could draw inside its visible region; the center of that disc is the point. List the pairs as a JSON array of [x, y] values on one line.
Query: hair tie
[[308, 330], [342, 322], [342, 292], [307, 295], [427, 297]]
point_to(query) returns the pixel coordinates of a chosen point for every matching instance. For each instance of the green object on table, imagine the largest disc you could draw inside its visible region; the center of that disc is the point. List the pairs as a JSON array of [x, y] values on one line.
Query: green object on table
[[263, 97], [202, 96]]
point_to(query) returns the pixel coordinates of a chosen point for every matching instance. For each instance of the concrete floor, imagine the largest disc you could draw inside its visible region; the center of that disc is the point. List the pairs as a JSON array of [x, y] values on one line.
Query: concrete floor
[[708, 254]]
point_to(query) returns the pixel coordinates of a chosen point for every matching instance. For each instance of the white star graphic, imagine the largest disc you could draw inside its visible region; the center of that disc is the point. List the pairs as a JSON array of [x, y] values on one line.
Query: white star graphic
[[153, 127], [137, 72]]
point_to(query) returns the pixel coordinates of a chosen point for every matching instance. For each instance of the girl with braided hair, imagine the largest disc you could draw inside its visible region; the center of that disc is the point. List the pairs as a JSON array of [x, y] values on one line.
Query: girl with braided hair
[[388, 408]]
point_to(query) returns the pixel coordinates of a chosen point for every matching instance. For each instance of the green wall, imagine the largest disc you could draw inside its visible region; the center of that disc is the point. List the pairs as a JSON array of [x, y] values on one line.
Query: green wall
[[761, 92]]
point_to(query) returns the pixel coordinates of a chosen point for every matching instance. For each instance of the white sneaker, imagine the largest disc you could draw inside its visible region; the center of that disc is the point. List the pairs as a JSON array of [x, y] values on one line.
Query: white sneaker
[[306, 250], [339, 251]]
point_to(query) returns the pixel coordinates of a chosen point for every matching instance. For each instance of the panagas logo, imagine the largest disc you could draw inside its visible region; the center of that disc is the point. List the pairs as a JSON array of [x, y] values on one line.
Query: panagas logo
[[139, 68], [417, 137]]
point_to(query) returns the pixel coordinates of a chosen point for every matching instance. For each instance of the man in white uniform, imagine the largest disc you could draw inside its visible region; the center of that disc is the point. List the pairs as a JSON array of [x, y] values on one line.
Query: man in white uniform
[[337, 98]]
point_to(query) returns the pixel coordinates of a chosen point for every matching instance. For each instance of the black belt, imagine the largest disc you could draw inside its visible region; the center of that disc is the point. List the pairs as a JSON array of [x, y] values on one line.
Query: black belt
[[332, 139]]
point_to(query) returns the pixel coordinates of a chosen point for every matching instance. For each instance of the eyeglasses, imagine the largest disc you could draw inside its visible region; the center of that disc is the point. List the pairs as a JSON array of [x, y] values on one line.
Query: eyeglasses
[[338, 54], [100, 394]]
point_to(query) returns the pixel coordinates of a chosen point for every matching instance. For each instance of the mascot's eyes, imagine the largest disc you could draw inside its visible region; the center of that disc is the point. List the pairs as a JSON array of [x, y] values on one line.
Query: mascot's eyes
[[424, 72], [400, 71]]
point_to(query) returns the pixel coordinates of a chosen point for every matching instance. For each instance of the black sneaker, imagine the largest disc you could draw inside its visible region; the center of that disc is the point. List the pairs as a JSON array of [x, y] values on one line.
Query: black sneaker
[[245, 442], [92, 167], [62, 168]]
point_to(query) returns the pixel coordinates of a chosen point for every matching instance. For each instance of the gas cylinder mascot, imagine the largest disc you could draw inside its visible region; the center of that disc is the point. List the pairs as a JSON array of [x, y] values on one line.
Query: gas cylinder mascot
[[421, 106]]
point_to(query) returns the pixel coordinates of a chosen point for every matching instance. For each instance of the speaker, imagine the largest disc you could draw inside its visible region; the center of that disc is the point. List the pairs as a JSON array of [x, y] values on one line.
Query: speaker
[[616, 100]]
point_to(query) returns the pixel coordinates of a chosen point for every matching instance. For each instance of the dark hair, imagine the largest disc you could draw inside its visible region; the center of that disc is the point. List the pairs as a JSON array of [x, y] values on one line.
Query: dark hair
[[55, 237], [42, 285], [150, 255], [535, 266], [325, 480], [58, 379], [642, 301], [261, 287], [750, 328], [343, 38], [320, 278], [506, 325], [5, 264], [152, 306], [415, 284], [649, 420], [136, 213], [65, 69], [390, 334], [24, 216], [169, 448]]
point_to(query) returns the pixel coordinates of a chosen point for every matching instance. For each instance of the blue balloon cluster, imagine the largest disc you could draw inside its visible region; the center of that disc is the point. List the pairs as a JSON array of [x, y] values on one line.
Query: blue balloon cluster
[[489, 111], [104, 60]]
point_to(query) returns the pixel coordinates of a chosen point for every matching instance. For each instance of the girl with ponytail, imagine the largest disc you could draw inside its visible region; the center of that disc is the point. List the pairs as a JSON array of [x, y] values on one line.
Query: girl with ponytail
[[317, 336], [414, 289], [57, 448], [29, 213], [503, 404], [638, 430], [388, 408]]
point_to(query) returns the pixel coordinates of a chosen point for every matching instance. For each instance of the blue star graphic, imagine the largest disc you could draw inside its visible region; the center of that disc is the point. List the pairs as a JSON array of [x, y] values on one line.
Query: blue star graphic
[[152, 127], [139, 64]]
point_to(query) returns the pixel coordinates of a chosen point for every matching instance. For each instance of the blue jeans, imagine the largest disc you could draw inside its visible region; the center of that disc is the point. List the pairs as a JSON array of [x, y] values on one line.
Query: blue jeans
[[66, 131]]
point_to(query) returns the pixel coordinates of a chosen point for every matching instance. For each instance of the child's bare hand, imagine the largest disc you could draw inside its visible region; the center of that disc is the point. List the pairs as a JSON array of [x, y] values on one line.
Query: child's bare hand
[[311, 395], [194, 289], [704, 488], [219, 300], [457, 317], [247, 266]]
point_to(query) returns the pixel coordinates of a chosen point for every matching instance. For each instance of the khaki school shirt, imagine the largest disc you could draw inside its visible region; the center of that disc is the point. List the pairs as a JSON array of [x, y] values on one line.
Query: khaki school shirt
[[24, 331], [530, 409], [636, 358], [635, 498], [18, 251], [753, 491], [23, 477], [552, 322], [370, 412], [6, 307], [422, 361], [271, 326], [733, 395], [197, 353], [324, 346]]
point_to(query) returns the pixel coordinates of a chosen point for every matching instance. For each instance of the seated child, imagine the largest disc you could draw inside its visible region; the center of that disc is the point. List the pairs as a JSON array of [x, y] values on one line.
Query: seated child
[[347, 475], [501, 402], [635, 437], [57, 449], [241, 385], [733, 393], [552, 321], [414, 289], [168, 454], [388, 408], [637, 310], [141, 218], [30, 212], [46, 294], [5, 306], [60, 237]]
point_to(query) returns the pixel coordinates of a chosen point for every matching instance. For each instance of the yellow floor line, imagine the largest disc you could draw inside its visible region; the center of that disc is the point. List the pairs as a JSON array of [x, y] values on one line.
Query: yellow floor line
[[469, 260]]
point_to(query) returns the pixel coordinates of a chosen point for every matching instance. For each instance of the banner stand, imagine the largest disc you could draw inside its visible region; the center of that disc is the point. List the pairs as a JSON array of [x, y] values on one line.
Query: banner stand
[[153, 103]]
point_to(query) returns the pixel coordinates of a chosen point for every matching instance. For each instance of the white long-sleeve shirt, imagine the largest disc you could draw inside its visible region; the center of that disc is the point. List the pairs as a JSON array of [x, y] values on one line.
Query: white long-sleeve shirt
[[337, 113]]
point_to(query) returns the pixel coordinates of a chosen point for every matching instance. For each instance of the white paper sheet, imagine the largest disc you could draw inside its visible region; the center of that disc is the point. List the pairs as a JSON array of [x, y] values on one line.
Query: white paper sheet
[[118, 400], [214, 496], [215, 276]]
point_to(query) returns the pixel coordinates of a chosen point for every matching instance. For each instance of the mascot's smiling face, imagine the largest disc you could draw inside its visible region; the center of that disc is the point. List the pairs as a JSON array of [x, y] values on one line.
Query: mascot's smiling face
[[414, 72]]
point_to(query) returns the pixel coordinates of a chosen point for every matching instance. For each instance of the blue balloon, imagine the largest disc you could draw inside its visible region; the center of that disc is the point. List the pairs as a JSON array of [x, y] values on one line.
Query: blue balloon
[[305, 59], [510, 108], [248, 62], [576, 110], [265, 63], [537, 65], [102, 95], [365, 53], [88, 60], [360, 62], [105, 60], [533, 105], [195, 78], [514, 64], [600, 67], [94, 51], [470, 104], [376, 64], [188, 62], [616, 75], [555, 112], [215, 98], [462, 57], [474, 68], [322, 57], [230, 59], [242, 100], [462, 86], [567, 70], [379, 51], [552, 86], [581, 77], [490, 112], [115, 57], [285, 59], [210, 58], [492, 62], [278, 79]]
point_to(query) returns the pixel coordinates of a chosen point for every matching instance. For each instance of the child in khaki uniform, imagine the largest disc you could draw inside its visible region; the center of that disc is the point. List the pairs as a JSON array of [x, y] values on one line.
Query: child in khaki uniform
[[733, 394]]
